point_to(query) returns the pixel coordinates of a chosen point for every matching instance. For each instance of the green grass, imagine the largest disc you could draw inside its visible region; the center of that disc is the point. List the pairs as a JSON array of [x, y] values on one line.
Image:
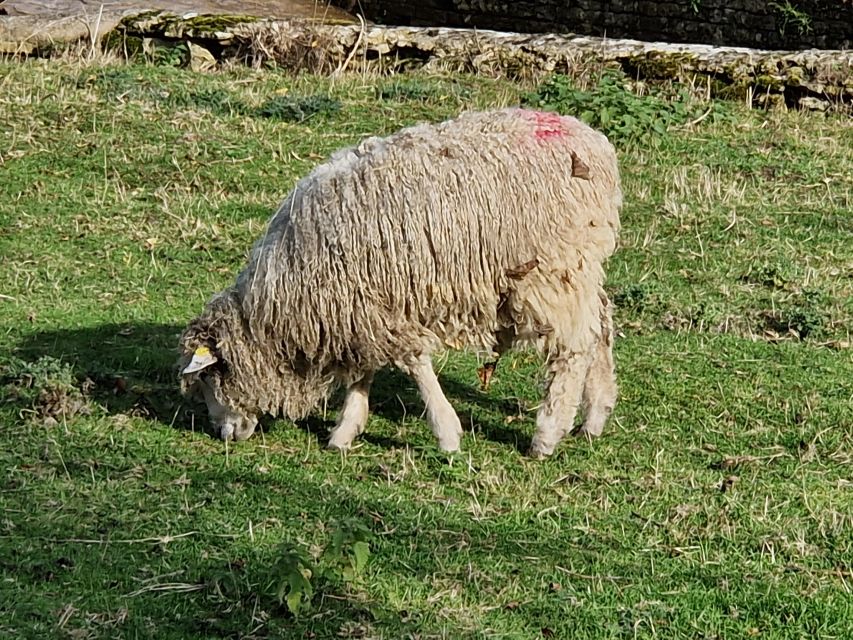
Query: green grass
[[718, 504]]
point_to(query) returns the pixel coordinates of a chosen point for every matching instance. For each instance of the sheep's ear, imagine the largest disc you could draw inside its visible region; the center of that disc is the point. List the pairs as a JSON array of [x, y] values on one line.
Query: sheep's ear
[[202, 359]]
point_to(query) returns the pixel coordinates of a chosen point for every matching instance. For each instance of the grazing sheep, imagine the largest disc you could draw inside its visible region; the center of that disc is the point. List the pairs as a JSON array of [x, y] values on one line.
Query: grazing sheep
[[483, 231]]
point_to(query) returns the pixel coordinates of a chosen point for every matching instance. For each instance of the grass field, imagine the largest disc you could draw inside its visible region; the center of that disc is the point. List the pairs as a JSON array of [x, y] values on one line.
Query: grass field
[[718, 504]]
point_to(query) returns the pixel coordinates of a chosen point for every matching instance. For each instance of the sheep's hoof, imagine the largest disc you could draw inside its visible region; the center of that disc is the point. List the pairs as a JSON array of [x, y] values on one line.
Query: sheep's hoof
[[449, 446], [583, 432], [538, 451], [588, 431], [239, 432], [338, 446], [593, 424]]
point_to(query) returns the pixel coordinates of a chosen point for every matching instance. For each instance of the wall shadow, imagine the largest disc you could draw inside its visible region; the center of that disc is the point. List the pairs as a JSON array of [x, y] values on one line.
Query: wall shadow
[[230, 583]]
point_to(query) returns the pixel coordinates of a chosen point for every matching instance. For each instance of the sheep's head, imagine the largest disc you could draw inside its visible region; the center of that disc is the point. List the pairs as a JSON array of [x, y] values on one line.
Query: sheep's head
[[207, 369]]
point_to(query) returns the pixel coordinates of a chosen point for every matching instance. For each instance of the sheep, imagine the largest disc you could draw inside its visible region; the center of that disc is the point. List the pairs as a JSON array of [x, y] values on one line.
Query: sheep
[[484, 231]]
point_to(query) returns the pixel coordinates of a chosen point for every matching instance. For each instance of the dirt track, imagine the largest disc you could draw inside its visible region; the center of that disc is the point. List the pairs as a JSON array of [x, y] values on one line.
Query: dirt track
[[27, 26], [259, 8]]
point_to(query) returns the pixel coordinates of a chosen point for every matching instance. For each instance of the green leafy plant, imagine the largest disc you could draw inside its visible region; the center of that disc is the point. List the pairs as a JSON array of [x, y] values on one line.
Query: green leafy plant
[[802, 316], [408, 90], [612, 108], [296, 578], [635, 296], [109, 81], [217, 101], [791, 15], [772, 275], [299, 108], [170, 54], [292, 585], [46, 372], [47, 387], [348, 551]]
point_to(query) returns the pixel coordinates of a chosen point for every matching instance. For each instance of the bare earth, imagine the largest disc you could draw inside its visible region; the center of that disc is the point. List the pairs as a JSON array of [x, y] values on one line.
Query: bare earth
[[27, 25], [259, 8]]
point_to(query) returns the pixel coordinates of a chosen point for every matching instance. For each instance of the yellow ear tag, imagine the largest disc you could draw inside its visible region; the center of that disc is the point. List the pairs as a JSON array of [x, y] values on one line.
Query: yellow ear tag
[[202, 358]]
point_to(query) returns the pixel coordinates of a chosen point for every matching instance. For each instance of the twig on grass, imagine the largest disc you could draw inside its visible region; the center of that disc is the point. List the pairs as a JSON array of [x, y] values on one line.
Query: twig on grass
[[177, 587]]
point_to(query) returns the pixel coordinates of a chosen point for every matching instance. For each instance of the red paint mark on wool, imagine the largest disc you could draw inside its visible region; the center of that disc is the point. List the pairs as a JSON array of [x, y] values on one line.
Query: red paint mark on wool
[[548, 125]]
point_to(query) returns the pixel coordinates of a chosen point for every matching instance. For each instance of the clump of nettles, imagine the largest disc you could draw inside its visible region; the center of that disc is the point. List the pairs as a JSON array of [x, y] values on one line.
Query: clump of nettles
[[778, 276], [801, 316], [299, 573], [295, 577], [298, 108], [45, 388], [216, 100], [408, 90], [612, 108], [796, 312]]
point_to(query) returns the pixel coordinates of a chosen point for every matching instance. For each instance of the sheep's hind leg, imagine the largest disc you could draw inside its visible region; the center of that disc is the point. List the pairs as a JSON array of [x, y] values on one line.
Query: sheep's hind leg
[[600, 391], [440, 414], [353, 416], [567, 372]]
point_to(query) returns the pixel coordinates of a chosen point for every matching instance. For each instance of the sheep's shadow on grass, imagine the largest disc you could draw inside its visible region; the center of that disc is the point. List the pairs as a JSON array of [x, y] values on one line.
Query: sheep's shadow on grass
[[131, 369], [126, 368], [394, 397]]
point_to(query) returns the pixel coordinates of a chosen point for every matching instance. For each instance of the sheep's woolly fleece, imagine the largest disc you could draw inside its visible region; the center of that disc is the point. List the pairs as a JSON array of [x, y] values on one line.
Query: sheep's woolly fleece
[[438, 235]]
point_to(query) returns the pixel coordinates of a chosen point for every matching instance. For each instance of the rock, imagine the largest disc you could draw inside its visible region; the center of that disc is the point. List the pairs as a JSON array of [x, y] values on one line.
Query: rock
[[825, 75], [780, 77], [813, 104], [200, 58]]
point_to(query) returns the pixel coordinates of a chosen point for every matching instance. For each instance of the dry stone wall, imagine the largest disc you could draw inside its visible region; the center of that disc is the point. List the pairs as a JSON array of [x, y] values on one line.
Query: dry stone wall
[[763, 24]]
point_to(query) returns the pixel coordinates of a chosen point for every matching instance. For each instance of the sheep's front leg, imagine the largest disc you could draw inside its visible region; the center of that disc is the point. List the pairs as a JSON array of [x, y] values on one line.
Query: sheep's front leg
[[567, 372], [353, 416], [440, 414]]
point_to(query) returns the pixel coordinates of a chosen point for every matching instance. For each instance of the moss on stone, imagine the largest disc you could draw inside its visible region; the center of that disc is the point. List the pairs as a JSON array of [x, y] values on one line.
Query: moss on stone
[[129, 46], [173, 26], [211, 23], [769, 82], [661, 65]]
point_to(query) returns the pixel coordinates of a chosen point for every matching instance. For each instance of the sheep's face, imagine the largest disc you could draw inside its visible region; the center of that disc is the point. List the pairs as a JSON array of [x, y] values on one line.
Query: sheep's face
[[201, 375]]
